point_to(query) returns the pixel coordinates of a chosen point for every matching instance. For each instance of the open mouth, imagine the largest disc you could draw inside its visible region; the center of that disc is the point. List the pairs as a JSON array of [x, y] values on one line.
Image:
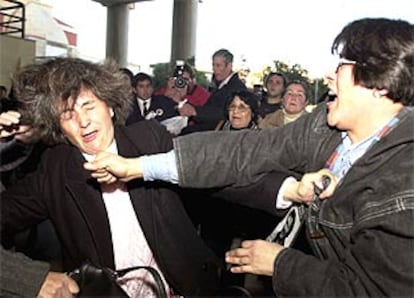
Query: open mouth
[[331, 96], [90, 136], [235, 118]]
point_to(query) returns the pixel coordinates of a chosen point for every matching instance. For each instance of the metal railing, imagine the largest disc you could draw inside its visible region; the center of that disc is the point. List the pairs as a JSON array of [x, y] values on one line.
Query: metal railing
[[12, 18]]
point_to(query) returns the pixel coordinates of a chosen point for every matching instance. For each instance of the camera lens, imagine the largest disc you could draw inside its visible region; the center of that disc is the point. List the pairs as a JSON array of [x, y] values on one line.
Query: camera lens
[[180, 82]]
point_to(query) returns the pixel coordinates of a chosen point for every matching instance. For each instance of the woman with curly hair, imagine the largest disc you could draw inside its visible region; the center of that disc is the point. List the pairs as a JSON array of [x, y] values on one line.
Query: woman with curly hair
[[79, 108]]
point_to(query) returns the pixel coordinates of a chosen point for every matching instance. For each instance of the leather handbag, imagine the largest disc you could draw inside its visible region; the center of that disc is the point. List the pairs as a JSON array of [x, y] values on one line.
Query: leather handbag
[[102, 281]]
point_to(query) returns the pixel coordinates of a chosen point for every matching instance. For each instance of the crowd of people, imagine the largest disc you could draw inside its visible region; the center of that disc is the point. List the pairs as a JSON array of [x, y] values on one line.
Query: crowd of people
[[90, 151]]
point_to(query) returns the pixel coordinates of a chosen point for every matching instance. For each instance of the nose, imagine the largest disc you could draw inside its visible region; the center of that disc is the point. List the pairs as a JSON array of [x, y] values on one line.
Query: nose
[[215, 68], [330, 75], [330, 78], [82, 118]]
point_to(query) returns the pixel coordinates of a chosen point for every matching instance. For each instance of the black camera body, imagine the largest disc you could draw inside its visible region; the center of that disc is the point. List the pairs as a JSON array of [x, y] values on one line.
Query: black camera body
[[180, 81]]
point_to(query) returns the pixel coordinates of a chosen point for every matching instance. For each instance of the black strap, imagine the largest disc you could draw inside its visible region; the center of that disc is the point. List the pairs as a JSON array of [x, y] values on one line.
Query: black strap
[[288, 228], [95, 281], [155, 275]]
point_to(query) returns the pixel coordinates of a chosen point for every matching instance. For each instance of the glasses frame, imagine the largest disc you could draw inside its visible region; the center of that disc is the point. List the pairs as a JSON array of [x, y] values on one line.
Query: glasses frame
[[240, 108], [344, 61]]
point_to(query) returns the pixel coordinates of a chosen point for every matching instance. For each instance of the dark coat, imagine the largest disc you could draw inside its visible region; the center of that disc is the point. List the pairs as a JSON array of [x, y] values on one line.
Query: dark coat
[[214, 109], [63, 191]]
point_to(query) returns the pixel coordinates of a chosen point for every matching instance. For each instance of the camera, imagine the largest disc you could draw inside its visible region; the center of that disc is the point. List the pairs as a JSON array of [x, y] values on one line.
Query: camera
[[180, 81]]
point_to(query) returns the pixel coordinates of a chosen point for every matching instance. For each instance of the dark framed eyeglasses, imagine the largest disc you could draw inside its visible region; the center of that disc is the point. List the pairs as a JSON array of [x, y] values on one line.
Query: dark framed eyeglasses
[[241, 108]]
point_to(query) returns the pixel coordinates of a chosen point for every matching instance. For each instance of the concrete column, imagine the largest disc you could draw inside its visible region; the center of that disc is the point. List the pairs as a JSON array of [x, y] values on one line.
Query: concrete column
[[117, 33], [184, 30]]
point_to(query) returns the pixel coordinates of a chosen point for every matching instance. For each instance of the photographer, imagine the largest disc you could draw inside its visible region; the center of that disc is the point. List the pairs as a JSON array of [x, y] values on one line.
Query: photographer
[[185, 88]]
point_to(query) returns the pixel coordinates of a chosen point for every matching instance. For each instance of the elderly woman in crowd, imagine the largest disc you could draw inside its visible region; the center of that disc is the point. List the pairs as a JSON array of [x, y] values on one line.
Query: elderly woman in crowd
[[242, 112], [294, 101]]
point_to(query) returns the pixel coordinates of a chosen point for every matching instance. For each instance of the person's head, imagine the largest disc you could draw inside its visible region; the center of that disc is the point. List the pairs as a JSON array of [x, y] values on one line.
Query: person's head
[[222, 64], [143, 85], [295, 97], [242, 109], [69, 99], [129, 75], [375, 73], [275, 84]]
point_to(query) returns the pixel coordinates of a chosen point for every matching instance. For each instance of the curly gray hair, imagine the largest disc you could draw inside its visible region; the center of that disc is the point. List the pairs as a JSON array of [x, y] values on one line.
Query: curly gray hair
[[41, 88]]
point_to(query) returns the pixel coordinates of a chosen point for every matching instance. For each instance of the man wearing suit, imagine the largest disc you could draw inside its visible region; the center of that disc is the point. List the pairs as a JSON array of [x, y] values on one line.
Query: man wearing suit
[[77, 106], [225, 81], [147, 106]]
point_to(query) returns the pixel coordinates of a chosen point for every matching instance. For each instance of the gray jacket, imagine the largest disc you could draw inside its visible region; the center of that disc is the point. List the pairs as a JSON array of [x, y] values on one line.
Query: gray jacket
[[365, 244], [19, 275]]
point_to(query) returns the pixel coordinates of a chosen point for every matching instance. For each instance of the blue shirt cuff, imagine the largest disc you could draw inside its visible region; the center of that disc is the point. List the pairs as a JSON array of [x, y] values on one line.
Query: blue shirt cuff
[[161, 166]]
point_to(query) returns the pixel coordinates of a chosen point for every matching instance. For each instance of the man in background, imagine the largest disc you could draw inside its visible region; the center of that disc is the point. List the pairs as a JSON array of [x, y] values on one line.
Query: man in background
[[275, 84], [224, 82], [145, 105]]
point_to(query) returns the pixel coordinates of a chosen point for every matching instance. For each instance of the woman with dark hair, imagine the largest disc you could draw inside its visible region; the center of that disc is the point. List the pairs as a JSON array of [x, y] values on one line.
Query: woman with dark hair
[[241, 112]]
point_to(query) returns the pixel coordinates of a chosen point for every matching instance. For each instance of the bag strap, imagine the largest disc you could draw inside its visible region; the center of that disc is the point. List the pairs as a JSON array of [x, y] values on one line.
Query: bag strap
[[287, 229], [155, 275], [87, 271]]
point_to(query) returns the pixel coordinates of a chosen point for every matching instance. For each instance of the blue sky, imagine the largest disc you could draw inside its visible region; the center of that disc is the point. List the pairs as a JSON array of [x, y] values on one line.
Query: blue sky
[[260, 31]]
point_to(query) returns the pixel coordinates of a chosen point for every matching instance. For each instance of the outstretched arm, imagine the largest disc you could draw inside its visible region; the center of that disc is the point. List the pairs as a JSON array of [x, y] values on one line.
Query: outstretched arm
[[108, 168]]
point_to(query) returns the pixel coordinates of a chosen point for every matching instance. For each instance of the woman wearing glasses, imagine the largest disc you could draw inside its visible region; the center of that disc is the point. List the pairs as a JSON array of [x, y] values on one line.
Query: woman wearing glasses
[[241, 112]]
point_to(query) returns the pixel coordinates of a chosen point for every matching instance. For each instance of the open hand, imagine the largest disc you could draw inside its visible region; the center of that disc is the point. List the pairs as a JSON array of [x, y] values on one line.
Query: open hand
[[254, 256]]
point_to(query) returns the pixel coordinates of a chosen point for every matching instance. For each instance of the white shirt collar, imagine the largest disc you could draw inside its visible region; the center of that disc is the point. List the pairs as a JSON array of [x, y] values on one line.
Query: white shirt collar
[[226, 80], [141, 103]]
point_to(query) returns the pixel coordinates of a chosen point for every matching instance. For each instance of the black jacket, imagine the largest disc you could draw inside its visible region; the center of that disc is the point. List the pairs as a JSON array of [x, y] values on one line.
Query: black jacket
[[161, 106]]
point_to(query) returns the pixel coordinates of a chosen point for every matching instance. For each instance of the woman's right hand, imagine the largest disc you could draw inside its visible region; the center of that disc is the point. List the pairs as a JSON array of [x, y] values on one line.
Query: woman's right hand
[[303, 191]]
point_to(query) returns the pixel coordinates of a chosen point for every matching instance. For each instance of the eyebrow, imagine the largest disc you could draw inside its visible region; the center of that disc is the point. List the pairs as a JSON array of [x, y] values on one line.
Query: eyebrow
[[290, 90], [86, 102]]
